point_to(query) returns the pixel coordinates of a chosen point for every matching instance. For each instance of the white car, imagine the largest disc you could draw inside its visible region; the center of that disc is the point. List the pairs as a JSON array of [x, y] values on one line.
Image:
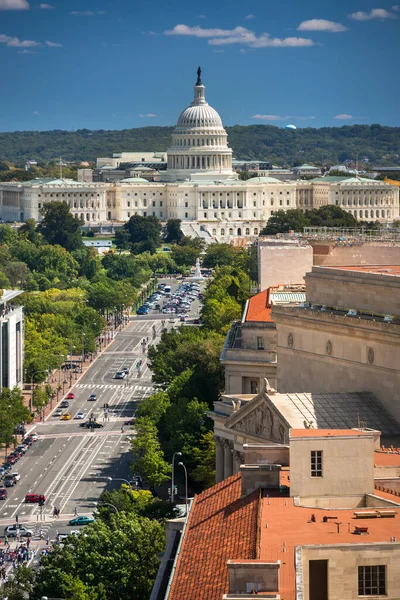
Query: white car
[[63, 536], [80, 415], [16, 476], [58, 413]]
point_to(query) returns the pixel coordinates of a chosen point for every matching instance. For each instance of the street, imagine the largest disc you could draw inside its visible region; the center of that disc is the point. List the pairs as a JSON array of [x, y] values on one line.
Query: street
[[71, 465]]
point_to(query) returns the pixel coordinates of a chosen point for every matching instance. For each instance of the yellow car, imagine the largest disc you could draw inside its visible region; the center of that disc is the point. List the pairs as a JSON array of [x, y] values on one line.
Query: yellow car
[[66, 417]]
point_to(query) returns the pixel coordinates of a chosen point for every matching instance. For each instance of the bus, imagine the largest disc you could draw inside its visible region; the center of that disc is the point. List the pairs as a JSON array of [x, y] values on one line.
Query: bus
[[167, 290]]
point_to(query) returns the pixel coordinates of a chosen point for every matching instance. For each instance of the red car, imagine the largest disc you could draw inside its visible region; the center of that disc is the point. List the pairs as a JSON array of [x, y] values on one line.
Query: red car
[[70, 396], [11, 459]]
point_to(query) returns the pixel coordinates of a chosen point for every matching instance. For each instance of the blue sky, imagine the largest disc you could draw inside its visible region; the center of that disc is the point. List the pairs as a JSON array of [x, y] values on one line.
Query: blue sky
[[115, 64]]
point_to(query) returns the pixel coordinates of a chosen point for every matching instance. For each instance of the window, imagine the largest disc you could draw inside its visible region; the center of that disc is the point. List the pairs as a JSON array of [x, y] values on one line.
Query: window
[[316, 463], [186, 215], [260, 343], [186, 205], [372, 581]]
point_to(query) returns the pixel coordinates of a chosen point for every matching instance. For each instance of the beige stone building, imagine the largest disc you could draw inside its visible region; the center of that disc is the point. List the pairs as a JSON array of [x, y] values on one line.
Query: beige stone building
[[346, 338], [302, 520], [365, 199], [282, 261], [249, 352]]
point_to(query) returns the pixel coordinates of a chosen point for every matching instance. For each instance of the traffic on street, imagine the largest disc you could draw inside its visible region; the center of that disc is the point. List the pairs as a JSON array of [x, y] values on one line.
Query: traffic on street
[[83, 446]]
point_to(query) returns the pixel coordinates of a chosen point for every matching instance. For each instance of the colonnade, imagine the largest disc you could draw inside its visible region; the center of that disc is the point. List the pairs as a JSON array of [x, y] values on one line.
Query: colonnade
[[227, 459], [200, 161]]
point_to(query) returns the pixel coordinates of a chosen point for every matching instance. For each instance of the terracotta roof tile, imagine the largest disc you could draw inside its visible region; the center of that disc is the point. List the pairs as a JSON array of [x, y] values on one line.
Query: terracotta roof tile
[[221, 526], [259, 308], [387, 459]]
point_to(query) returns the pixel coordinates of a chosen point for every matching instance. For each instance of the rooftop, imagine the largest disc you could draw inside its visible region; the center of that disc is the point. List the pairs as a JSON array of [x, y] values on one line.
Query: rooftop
[[290, 526], [259, 308], [378, 269], [221, 526], [334, 411], [316, 433]]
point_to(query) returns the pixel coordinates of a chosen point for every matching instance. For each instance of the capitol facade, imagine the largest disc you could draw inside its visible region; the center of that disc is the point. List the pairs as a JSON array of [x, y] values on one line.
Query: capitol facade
[[198, 187]]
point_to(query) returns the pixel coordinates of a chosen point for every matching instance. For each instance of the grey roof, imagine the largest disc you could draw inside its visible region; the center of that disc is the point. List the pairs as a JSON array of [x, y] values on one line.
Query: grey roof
[[335, 411], [280, 297]]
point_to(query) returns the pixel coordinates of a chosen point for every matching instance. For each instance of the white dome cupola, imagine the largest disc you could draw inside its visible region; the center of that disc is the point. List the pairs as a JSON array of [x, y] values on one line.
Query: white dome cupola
[[199, 142]]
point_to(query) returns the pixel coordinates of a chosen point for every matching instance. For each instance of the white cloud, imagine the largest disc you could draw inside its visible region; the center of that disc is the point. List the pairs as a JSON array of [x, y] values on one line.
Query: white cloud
[[147, 116], [16, 42], [14, 5], [249, 17], [202, 16], [343, 117], [376, 13], [46, 6], [53, 44], [239, 35], [149, 32], [35, 112], [87, 13], [396, 7], [26, 52], [321, 25], [279, 118]]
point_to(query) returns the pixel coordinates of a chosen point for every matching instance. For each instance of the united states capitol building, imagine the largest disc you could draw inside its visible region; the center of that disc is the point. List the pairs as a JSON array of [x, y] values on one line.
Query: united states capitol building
[[199, 187]]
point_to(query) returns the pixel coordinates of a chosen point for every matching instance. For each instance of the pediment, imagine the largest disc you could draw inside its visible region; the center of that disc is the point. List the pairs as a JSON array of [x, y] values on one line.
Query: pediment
[[261, 419]]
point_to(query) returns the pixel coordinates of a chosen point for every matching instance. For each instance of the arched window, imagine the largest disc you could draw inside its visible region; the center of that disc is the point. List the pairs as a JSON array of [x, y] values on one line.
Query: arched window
[[247, 231], [87, 217], [222, 231], [109, 216], [214, 232], [255, 230], [239, 231], [231, 231]]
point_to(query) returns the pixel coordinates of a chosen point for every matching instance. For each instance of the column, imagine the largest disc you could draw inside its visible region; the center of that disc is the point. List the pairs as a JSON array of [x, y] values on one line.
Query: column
[[238, 459], [219, 459], [228, 458]]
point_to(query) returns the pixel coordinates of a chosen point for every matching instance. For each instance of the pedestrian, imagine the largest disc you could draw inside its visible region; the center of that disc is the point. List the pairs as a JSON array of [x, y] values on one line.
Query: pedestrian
[[75, 511], [41, 534], [28, 541], [6, 541], [48, 541]]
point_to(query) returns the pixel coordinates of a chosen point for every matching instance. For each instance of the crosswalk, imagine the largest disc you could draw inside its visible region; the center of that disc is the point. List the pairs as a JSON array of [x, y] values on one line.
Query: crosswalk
[[114, 386]]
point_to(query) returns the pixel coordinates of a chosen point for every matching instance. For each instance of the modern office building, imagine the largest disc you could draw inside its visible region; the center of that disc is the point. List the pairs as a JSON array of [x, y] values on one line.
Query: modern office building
[[12, 341]]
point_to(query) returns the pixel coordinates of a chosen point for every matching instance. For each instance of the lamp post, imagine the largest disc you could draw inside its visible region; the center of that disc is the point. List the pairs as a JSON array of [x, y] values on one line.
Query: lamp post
[[120, 479], [106, 504], [180, 464], [172, 479]]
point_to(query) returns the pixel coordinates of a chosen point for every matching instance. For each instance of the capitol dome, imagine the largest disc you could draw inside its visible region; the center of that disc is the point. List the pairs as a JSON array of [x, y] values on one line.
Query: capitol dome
[[199, 143]]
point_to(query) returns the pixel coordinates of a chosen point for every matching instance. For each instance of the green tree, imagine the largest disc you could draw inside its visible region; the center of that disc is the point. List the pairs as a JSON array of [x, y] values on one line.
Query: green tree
[[59, 226], [185, 256], [114, 560], [224, 255], [122, 239], [173, 230], [284, 221], [154, 407], [204, 456], [218, 315], [20, 585], [144, 233], [148, 457]]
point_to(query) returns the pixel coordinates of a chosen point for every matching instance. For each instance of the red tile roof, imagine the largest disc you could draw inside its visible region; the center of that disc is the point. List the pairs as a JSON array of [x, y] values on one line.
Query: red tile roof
[[221, 526], [387, 459], [295, 433], [259, 308]]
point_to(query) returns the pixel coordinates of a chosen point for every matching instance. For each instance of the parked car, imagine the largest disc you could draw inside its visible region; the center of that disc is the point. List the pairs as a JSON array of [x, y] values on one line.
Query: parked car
[[58, 412], [81, 521], [33, 436], [70, 396], [22, 448], [9, 481], [64, 404], [13, 530], [3, 493], [16, 475], [66, 417]]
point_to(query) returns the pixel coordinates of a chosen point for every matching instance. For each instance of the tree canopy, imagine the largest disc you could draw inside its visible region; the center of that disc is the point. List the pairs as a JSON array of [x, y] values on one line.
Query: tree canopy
[[59, 226], [296, 220]]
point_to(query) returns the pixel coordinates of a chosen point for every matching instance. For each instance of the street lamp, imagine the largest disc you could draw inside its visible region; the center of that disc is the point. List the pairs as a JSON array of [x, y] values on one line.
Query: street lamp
[[106, 504], [180, 464], [172, 479], [120, 479]]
